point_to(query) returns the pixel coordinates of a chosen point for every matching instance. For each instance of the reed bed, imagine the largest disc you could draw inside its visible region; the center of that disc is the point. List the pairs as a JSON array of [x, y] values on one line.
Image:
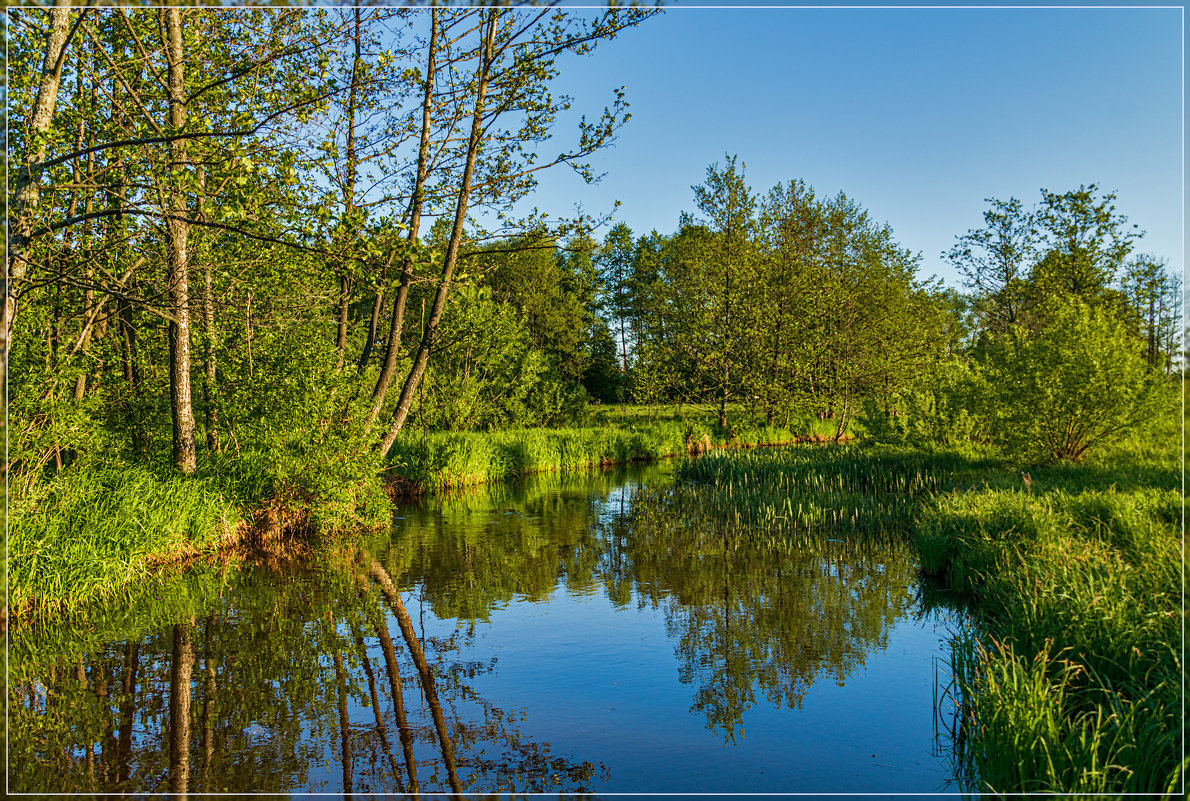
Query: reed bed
[[1074, 684], [850, 488]]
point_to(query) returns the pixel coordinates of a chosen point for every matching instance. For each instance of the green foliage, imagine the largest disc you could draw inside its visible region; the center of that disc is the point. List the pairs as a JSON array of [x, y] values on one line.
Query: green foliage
[[1072, 683], [1079, 382], [940, 408], [485, 368], [808, 306]]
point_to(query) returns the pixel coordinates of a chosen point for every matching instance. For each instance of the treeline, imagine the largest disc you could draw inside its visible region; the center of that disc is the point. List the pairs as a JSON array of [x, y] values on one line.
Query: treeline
[[780, 303], [261, 231], [790, 303]]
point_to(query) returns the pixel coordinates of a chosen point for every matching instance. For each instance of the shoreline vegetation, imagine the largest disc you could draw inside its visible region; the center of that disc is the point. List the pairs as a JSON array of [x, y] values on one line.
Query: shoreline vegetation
[[86, 536], [253, 309], [1070, 678]]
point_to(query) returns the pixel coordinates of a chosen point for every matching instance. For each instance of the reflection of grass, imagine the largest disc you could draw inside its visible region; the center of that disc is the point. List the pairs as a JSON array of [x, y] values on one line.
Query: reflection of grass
[[1074, 682]]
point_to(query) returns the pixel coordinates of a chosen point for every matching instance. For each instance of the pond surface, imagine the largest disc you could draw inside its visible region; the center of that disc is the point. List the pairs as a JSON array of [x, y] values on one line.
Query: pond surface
[[556, 635]]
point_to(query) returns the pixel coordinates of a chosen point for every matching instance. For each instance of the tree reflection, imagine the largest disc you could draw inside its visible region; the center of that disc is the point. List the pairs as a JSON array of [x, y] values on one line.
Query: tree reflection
[[751, 617], [273, 696], [283, 691], [766, 619]]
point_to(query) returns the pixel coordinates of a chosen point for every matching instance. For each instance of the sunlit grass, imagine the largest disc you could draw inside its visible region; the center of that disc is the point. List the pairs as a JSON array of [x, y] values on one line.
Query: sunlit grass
[[86, 534], [434, 461]]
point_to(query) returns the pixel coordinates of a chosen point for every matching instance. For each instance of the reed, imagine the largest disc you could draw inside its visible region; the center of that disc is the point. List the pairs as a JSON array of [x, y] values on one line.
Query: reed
[[434, 461]]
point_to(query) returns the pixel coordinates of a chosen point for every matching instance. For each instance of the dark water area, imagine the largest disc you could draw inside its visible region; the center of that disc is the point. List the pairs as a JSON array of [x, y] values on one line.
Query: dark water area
[[574, 634]]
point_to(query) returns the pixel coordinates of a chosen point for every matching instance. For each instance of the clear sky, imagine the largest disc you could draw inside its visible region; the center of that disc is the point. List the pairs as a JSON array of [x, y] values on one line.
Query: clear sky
[[917, 114]]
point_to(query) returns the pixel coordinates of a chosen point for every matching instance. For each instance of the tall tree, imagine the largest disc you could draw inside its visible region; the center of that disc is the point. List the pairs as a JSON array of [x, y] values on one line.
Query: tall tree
[[178, 231], [615, 261], [514, 61]]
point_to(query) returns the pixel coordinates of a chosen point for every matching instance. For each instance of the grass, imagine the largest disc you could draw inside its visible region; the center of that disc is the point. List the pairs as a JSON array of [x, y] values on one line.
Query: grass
[[90, 533], [431, 462], [1071, 681]]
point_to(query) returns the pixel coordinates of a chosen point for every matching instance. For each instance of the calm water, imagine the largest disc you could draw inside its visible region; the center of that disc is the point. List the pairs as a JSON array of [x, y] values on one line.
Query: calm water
[[559, 635]]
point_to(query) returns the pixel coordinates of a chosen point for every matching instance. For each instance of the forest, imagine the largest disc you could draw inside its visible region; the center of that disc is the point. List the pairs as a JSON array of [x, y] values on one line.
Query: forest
[[268, 269]]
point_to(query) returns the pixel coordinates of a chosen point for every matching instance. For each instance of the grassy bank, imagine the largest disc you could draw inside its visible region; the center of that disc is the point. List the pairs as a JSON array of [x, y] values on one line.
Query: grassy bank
[[93, 530], [429, 462], [1071, 682]]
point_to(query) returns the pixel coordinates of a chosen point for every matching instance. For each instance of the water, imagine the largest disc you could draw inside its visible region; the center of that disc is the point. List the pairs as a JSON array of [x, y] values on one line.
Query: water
[[558, 635]]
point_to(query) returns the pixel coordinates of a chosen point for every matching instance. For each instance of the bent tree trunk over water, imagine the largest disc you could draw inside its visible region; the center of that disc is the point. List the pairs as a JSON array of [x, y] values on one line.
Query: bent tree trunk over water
[[452, 250]]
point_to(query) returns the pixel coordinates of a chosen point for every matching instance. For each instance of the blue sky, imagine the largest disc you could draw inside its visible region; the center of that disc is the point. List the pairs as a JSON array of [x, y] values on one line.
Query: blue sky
[[917, 114]]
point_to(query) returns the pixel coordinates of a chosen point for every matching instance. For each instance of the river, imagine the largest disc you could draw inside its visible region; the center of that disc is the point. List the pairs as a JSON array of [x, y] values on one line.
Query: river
[[558, 634]]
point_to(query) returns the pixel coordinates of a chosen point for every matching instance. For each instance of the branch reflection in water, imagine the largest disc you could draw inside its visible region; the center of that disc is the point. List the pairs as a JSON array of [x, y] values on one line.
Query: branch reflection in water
[[285, 689]]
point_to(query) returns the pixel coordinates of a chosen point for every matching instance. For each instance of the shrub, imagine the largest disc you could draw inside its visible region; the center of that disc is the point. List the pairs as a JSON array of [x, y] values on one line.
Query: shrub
[[1079, 382]]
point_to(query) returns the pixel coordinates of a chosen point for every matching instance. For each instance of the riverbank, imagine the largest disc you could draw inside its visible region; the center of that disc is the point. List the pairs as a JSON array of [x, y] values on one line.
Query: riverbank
[[436, 461], [90, 533], [1071, 680]]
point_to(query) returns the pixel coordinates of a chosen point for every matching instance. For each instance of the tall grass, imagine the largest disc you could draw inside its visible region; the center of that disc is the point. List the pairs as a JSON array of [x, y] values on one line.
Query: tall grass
[[1081, 595], [845, 488], [89, 533], [431, 462]]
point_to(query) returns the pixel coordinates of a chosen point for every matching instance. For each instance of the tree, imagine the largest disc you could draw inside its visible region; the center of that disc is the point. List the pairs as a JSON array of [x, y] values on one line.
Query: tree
[[511, 109], [995, 260], [1079, 382], [169, 159], [1154, 298], [792, 230], [1085, 242], [729, 267], [26, 187], [615, 260]]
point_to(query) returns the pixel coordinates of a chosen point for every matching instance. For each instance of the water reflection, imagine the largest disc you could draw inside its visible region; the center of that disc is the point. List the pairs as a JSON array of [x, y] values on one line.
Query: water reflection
[[371, 668]]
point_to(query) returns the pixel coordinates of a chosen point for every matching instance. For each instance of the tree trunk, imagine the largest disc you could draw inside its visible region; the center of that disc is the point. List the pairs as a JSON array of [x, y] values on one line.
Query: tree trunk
[[25, 190], [178, 231], [377, 307], [393, 345], [344, 305], [452, 250], [210, 389], [349, 193]]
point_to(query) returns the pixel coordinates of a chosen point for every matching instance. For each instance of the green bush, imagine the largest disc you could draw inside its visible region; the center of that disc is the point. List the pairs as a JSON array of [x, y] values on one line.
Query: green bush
[[1079, 382]]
